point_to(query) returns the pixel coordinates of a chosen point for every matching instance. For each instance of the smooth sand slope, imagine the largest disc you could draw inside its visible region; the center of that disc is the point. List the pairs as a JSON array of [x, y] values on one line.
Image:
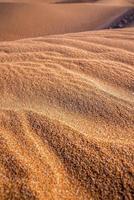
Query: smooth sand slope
[[67, 116], [21, 19]]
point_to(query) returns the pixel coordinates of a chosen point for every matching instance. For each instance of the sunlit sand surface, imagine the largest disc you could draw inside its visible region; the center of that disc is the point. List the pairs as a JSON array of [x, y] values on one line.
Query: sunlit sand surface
[[66, 105]]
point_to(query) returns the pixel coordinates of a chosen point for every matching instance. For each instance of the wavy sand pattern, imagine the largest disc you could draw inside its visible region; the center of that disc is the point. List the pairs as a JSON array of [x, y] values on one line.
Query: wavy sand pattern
[[66, 101], [67, 116]]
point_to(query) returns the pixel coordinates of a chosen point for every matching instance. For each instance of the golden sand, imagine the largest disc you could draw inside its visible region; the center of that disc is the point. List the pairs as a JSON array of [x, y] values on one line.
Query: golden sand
[[67, 116]]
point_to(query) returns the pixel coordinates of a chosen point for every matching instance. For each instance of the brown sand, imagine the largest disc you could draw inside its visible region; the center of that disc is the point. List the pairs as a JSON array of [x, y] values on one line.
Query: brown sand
[[67, 115], [23, 19], [66, 103]]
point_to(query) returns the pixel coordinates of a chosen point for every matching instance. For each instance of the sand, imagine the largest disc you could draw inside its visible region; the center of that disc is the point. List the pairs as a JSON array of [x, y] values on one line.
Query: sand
[[23, 19], [67, 105]]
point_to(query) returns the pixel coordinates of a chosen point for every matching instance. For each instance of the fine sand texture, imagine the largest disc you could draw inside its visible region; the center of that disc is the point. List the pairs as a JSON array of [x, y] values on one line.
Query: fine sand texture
[[67, 117], [66, 100], [22, 19]]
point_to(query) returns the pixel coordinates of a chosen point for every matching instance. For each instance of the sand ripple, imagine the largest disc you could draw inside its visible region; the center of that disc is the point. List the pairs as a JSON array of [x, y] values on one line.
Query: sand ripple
[[67, 116]]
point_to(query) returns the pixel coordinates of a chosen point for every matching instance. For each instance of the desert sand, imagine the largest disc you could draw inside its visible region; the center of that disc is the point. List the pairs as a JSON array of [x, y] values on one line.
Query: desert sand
[[22, 19], [66, 101]]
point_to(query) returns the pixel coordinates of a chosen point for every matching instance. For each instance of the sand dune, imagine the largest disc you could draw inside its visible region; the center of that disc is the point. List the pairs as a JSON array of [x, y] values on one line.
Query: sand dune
[[67, 116], [67, 100], [21, 19]]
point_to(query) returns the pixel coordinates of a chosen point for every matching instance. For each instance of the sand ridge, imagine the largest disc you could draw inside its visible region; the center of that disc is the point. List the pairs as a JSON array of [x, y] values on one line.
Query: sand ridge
[[66, 100], [22, 19], [67, 115]]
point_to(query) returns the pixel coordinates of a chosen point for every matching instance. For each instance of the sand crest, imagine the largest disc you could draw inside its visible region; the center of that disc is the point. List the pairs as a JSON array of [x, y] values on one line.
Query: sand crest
[[66, 101]]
